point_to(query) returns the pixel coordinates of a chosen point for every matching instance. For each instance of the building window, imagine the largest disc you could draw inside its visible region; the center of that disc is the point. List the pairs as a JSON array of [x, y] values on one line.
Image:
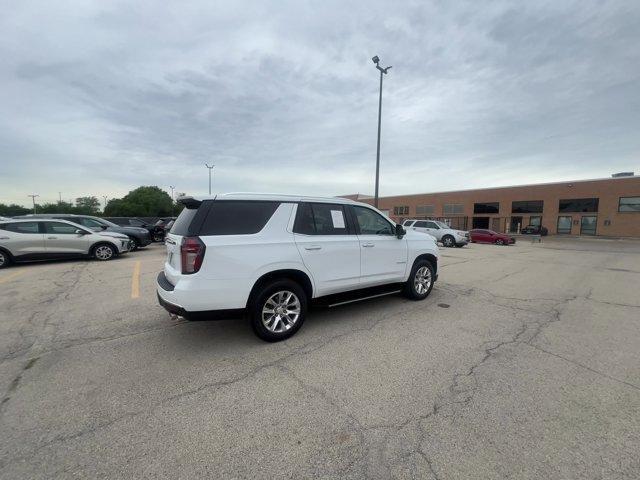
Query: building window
[[629, 204], [452, 209], [527, 206], [424, 210], [564, 224], [491, 207], [535, 221], [578, 205], [404, 210]]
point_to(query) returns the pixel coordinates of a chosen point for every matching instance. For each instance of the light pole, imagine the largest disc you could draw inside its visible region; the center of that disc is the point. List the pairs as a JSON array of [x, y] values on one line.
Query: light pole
[[33, 197], [105, 202], [210, 168], [172, 200], [376, 60]]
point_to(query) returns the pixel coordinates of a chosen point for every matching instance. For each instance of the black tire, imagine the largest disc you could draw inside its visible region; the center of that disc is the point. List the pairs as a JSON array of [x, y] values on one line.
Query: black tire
[[5, 259], [411, 289], [448, 241], [499, 242], [134, 244], [459, 245], [277, 327], [104, 252], [158, 237]]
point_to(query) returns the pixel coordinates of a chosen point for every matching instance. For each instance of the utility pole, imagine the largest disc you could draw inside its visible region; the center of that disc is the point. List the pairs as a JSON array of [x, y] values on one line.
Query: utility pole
[[172, 187], [210, 168], [105, 202], [376, 60], [60, 197], [33, 197]]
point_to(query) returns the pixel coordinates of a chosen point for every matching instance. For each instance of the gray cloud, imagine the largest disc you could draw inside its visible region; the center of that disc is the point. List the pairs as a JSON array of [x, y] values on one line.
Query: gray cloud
[[282, 96]]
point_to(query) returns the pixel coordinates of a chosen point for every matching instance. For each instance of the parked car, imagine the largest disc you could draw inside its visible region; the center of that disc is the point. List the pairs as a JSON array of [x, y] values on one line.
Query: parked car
[[155, 231], [139, 236], [489, 236], [440, 231], [274, 255], [23, 240], [534, 230]]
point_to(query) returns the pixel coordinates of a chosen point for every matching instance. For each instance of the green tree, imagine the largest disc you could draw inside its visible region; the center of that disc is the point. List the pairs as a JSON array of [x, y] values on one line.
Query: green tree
[[87, 205], [141, 202], [58, 207], [13, 210]]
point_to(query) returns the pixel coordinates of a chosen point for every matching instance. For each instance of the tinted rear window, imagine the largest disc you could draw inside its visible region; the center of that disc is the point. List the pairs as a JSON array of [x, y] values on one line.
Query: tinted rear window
[[232, 217], [181, 225], [21, 227]]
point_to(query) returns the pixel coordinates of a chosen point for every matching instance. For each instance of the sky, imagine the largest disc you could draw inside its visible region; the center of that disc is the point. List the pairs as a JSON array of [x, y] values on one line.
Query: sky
[[97, 98]]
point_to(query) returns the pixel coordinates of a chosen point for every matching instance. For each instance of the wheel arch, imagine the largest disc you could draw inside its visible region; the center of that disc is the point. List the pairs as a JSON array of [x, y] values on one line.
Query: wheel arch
[[297, 276], [7, 253], [426, 256]]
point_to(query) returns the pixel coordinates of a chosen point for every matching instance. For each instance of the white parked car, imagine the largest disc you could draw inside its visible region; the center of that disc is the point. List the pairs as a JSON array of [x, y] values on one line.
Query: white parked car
[[272, 255], [440, 231], [24, 240]]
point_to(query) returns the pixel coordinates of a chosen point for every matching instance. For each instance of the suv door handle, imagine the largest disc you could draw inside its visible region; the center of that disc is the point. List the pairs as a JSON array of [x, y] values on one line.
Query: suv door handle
[[4, 238], [313, 247], [368, 245], [52, 238]]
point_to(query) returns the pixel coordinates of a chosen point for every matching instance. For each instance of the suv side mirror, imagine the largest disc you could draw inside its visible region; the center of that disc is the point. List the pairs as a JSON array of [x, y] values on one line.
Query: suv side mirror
[[80, 232], [400, 231], [104, 227]]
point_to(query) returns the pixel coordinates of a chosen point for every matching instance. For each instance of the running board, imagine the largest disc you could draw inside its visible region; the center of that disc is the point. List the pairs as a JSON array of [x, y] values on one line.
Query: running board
[[363, 298]]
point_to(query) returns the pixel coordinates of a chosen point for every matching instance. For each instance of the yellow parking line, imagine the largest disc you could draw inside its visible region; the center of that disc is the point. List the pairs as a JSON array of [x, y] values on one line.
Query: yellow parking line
[[11, 277], [135, 280]]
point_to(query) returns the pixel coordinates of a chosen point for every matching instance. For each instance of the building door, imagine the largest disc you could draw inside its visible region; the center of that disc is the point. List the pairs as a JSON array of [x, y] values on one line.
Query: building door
[[564, 225], [588, 225], [480, 222], [516, 225], [535, 221]]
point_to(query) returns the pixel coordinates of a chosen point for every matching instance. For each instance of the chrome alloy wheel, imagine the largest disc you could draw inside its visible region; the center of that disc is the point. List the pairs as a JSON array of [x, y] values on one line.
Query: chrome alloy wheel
[[448, 242], [281, 311], [103, 252], [3, 259], [422, 280]]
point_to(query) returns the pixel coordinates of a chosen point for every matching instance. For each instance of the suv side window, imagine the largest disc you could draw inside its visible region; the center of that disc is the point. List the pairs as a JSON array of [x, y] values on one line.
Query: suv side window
[[59, 228], [422, 224], [237, 217], [372, 223], [408, 223], [320, 219], [21, 227]]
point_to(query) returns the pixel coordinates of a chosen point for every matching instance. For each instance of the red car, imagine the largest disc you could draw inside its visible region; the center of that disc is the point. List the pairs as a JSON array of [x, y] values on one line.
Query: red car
[[489, 236]]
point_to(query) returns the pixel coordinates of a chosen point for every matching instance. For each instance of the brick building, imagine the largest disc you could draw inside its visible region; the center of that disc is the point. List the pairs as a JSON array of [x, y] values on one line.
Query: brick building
[[609, 207]]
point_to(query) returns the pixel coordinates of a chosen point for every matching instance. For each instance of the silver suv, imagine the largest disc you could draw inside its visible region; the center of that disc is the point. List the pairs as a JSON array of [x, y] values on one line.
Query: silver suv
[[45, 239]]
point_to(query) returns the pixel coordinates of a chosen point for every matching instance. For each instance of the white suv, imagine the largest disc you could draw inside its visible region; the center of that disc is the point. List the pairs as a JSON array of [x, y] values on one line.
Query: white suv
[[440, 231], [272, 255]]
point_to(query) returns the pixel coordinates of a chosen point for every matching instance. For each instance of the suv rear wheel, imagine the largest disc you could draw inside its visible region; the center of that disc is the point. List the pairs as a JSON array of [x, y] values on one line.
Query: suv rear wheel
[[278, 310], [420, 282]]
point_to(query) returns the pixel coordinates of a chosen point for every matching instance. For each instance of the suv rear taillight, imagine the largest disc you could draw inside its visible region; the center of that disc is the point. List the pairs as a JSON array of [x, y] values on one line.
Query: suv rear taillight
[[191, 254]]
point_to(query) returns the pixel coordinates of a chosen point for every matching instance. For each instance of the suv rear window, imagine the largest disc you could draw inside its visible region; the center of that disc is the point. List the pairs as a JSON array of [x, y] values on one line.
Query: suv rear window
[[181, 225], [231, 217]]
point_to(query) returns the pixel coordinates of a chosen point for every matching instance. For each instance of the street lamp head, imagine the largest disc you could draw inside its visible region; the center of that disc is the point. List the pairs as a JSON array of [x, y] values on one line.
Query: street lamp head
[[375, 60]]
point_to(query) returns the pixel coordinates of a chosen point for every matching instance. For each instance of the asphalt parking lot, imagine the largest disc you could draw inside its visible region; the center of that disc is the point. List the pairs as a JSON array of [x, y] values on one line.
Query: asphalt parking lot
[[523, 363]]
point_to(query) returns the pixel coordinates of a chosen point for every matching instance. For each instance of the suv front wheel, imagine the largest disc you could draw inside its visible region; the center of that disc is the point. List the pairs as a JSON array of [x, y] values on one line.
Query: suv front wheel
[[278, 310], [420, 282]]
